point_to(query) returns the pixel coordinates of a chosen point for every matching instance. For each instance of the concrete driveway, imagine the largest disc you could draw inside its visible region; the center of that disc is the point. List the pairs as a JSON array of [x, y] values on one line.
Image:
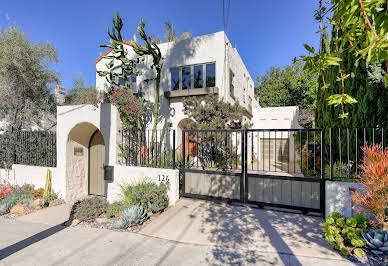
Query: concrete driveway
[[243, 228]]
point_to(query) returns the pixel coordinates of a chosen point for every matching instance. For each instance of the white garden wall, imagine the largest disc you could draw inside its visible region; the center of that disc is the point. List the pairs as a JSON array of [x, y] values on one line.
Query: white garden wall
[[35, 175], [338, 197], [129, 174]]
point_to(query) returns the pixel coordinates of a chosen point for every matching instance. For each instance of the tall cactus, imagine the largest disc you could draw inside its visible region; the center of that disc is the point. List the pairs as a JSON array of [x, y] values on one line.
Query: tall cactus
[[47, 188], [152, 49]]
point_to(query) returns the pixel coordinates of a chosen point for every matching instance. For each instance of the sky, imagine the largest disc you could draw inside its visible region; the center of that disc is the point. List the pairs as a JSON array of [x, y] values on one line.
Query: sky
[[265, 33]]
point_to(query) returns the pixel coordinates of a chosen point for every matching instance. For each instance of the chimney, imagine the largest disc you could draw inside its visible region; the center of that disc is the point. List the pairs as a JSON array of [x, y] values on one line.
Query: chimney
[[60, 93]]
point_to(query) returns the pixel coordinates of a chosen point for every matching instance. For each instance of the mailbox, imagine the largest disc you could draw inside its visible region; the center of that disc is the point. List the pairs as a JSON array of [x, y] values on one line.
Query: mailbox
[[108, 173]]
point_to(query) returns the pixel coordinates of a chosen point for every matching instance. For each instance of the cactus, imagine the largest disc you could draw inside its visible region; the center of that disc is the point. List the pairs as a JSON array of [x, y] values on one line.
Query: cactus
[[47, 188], [377, 242], [133, 215]]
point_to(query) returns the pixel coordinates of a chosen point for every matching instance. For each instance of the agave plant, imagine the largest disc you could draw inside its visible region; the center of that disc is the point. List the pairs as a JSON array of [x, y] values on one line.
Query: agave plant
[[377, 242], [133, 215]]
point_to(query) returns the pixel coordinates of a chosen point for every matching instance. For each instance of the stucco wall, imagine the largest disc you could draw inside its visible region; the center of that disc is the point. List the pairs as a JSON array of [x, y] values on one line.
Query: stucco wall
[[198, 50], [35, 175], [338, 197], [102, 117], [129, 174]]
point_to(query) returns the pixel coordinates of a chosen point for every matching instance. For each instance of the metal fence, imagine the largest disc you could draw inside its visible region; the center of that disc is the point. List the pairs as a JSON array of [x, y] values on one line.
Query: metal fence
[[148, 149], [343, 149], [36, 148]]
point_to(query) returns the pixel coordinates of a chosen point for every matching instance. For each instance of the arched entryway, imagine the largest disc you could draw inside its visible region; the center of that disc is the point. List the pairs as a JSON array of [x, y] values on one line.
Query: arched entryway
[[96, 164], [85, 159]]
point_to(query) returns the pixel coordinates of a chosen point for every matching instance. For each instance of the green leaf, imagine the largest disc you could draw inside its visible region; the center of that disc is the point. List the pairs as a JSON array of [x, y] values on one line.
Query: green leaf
[[334, 99], [349, 99], [359, 252], [308, 48]]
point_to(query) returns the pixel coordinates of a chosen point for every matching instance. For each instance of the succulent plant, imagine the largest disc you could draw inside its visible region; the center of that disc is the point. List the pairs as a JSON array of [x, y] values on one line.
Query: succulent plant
[[133, 215], [377, 242], [345, 234]]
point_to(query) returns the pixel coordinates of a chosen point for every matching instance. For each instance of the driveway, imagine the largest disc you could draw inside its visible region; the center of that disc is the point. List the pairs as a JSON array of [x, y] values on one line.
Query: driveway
[[243, 228]]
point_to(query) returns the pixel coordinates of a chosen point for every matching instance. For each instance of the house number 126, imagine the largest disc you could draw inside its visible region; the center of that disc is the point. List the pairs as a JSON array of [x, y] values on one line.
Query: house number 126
[[163, 178]]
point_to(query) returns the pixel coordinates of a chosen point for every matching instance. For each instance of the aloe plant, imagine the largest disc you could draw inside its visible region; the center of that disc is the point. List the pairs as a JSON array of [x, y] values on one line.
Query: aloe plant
[[377, 242], [133, 215]]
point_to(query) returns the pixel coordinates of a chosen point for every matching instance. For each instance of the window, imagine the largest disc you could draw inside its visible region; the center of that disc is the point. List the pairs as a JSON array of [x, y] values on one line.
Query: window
[[174, 79], [121, 81], [186, 78], [193, 77], [211, 75], [231, 86], [198, 76]]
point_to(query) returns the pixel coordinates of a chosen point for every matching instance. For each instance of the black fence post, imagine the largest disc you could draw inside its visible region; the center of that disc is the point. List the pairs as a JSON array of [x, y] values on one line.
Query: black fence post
[[173, 149], [183, 162], [323, 174]]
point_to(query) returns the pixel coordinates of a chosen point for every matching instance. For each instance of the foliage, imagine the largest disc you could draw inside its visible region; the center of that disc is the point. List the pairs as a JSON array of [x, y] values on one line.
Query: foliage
[[377, 242], [29, 148], [365, 84], [89, 208], [134, 112], [130, 107], [26, 79], [114, 209], [374, 176], [170, 34], [133, 215], [360, 28], [5, 190], [17, 196], [345, 234], [81, 93], [210, 112], [309, 162], [287, 87], [37, 193], [150, 48], [341, 171], [149, 195]]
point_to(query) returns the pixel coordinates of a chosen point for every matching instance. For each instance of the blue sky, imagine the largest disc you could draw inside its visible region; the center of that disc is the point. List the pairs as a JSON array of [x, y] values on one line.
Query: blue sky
[[266, 33]]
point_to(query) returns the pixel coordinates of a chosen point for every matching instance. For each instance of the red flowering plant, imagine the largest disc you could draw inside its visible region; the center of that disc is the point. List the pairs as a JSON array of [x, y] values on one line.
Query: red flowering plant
[[374, 176], [5, 190]]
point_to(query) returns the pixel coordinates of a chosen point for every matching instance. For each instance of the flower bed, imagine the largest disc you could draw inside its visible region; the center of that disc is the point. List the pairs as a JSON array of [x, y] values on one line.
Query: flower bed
[[141, 202]]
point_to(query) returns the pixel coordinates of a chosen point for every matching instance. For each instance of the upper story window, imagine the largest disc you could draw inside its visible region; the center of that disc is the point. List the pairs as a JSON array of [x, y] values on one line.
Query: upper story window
[[186, 78], [211, 75], [198, 76], [193, 77], [121, 81]]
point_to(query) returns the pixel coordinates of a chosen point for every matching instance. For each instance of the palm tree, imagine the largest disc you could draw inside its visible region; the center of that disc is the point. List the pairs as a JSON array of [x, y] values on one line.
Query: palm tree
[[170, 34]]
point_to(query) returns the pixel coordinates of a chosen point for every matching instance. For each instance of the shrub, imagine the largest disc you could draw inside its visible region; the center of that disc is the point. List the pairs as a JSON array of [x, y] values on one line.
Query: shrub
[[5, 190], [147, 194], [345, 234], [89, 209], [37, 193], [115, 208], [133, 215], [374, 176], [18, 196], [341, 171], [50, 197]]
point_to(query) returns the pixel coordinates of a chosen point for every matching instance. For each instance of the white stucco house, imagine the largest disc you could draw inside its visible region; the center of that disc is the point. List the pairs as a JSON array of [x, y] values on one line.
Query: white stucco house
[[198, 66], [88, 136]]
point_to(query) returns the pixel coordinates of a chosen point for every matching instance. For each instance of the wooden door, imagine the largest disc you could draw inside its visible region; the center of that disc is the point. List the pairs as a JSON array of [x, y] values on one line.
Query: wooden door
[[96, 164]]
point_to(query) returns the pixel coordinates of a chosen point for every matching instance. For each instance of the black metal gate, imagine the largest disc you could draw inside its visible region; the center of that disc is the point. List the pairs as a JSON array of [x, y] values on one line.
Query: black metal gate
[[272, 167]]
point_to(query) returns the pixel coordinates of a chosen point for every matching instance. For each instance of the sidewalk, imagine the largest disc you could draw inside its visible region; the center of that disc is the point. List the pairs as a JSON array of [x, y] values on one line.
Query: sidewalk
[[51, 215], [25, 243]]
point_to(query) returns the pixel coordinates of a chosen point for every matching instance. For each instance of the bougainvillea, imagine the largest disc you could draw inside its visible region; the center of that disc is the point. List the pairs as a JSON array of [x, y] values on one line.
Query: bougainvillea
[[374, 176], [5, 190], [134, 111]]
